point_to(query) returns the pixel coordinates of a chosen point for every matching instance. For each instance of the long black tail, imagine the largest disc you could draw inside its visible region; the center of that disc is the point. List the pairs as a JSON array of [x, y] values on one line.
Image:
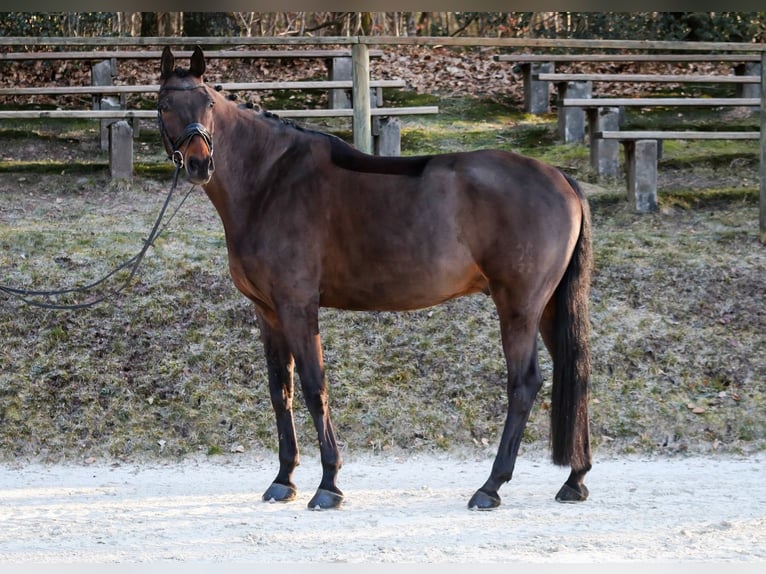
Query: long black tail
[[570, 441]]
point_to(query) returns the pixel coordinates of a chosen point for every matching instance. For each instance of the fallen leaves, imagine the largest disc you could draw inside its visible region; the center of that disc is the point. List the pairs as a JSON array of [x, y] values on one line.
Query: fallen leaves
[[696, 409]]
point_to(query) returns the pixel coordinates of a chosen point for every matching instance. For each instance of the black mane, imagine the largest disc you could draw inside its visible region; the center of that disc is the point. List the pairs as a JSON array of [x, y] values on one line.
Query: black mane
[[348, 157], [345, 155]]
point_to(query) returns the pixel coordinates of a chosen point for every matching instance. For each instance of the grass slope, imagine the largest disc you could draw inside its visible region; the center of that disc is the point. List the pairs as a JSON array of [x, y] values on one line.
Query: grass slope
[[173, 365]]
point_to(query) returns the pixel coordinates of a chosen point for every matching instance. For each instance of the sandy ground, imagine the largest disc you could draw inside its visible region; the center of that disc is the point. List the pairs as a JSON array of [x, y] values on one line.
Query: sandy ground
[[397, 510]]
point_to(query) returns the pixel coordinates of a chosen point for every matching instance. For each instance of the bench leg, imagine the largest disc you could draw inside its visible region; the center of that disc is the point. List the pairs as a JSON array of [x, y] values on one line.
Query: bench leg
[[748, 90], [641, 163], [386, 136], [340, 98], [107, 103], [121, 150], [604, 154], [102, 74], [537, 98], [571, 121], [340, 69]]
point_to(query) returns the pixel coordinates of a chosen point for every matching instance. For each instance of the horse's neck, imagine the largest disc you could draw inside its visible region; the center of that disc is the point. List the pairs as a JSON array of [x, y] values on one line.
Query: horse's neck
[[246, 148], [254, 139]]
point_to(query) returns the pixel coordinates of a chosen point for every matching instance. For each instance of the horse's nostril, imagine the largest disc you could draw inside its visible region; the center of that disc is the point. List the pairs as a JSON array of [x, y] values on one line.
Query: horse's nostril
[[199, 168], [198, 165]]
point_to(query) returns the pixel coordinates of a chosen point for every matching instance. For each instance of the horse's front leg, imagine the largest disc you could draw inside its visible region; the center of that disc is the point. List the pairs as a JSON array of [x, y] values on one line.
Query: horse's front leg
[[301, 325], [279, 362]]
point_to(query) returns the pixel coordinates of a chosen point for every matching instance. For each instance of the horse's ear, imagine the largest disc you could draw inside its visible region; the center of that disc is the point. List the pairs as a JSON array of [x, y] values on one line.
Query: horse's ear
[[168, 63], [197, 62]]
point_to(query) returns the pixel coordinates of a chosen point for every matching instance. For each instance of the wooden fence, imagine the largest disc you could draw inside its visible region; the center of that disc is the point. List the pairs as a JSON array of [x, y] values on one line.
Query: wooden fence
[[360, 53]]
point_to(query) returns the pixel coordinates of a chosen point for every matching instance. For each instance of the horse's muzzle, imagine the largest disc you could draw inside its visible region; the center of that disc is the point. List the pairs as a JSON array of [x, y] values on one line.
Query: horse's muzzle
[[199, 170]]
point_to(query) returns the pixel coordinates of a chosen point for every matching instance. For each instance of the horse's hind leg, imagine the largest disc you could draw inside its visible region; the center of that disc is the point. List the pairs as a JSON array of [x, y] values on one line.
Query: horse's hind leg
[[519, 334], [279, 362]]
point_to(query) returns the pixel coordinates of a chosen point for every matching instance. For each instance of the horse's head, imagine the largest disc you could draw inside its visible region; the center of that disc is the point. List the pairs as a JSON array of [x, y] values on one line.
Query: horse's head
[[185, 112]]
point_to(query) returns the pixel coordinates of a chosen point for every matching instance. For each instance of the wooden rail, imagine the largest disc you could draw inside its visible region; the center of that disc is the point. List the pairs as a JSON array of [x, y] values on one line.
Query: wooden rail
[[152, 114], [675, 135], [519, 43], [229, 86], [360, 83], [647, 102], [648, 78], [156, 54], [598, 58]]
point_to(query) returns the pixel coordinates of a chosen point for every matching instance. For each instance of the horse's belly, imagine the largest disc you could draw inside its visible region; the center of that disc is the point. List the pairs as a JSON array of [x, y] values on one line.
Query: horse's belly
[[406, 286]]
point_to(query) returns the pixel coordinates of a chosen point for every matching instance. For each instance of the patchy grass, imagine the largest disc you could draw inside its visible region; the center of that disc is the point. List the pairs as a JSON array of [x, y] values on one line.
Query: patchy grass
[[684, 353], [173, 365]]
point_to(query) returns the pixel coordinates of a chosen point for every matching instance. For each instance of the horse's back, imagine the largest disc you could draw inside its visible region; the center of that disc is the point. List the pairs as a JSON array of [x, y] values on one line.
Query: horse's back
[[511, 202]]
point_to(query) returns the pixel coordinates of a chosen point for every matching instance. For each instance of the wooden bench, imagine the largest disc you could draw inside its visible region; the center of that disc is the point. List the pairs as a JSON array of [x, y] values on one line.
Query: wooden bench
[[386, 128], [535, 69], [641, 152], [110, 101], [338, 61], [571, 121], [104, 68], [120, 122], [603, 115]]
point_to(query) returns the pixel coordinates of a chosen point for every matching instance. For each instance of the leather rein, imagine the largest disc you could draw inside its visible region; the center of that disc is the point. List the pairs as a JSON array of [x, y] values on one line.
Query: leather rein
[[31, 297]]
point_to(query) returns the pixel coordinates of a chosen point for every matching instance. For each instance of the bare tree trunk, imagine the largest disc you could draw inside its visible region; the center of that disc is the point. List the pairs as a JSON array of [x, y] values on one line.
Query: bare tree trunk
[[424, 24], [365, 23], [128, 23], [72, 23], [247, 19], [169, 23]]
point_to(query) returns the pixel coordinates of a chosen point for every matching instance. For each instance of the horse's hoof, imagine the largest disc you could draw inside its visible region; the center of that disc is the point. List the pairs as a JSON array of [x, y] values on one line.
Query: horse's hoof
[[325, 499], [483, 501], [279, 493], [569, 494]]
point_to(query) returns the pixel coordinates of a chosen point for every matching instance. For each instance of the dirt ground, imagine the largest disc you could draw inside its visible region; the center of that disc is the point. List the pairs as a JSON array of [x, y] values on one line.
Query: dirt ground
[[396, 510]]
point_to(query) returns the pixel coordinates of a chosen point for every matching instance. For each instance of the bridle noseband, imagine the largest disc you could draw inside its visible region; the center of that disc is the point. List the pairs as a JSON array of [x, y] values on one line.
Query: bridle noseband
[[189, 132], [195, 129]]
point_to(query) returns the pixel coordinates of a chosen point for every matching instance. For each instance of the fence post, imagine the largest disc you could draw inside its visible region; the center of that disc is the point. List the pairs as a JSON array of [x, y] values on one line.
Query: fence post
[[121, 150], [762, 216], [102, 74], [340, 69], [361, 96]]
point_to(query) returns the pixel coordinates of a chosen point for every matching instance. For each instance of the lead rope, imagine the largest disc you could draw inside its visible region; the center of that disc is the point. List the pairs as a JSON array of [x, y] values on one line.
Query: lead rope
[[28, 296]]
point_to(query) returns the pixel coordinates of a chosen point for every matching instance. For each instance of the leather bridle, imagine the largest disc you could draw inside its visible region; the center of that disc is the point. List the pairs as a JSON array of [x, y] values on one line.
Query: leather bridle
[[189, 132]]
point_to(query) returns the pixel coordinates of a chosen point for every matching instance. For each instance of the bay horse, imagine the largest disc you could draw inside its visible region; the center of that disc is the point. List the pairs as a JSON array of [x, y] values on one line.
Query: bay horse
[[310, 222]]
